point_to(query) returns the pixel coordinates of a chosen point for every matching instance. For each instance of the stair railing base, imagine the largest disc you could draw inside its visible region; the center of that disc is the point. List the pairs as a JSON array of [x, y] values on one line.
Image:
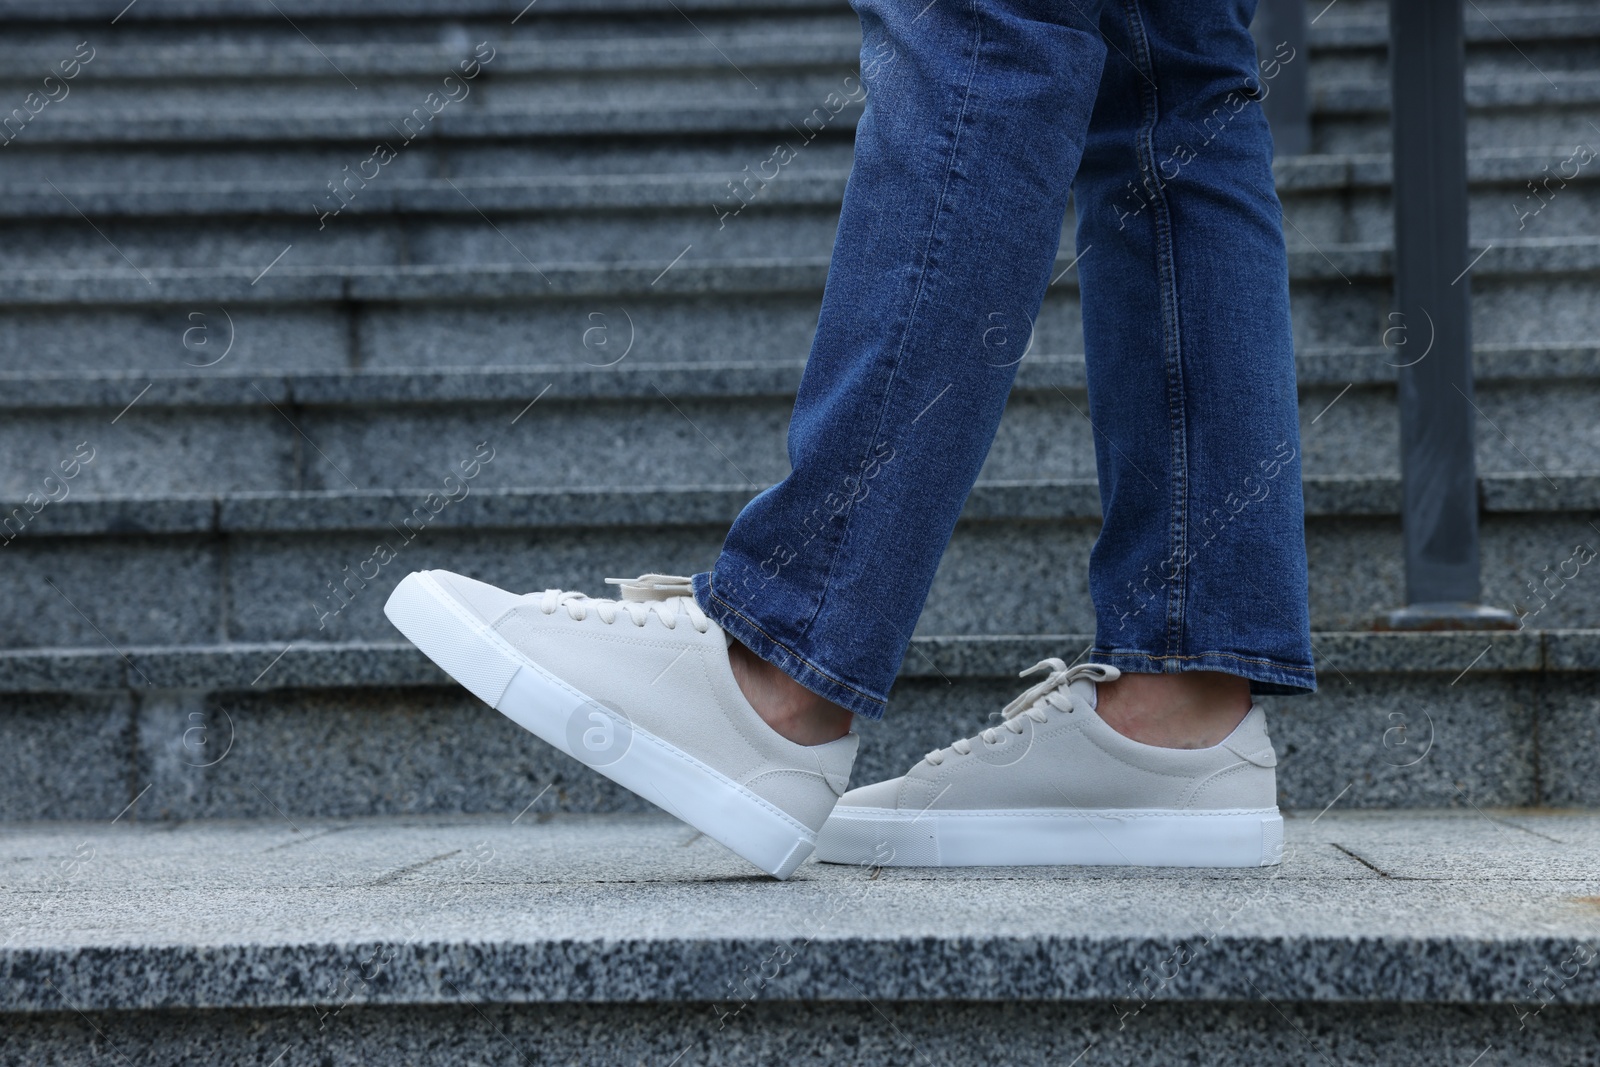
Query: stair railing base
[[1447, 615]]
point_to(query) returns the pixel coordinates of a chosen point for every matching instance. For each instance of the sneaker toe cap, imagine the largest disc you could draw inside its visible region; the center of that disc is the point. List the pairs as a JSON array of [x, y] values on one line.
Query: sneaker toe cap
[[487, 602]]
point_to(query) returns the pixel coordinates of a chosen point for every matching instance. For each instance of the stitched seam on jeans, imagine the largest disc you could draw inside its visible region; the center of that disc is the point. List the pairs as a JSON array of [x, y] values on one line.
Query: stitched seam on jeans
[[757, 627], [1171, 340], [916, 298], [1215, 655]]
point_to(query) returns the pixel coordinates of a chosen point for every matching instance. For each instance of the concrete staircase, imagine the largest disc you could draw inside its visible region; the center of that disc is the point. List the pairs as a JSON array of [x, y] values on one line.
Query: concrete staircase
[[276, 341]]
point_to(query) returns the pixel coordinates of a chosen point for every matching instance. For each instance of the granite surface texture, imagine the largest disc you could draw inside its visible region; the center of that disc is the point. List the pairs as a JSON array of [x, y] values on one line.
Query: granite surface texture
[[1524, 261], [1467, 908], [377, 730], [1328, 496], [1570, 715], [1348, 449], [1300, 178], [309, 664], [574, 379], [667, 214], [877, 1034], [1415, 720], [1362, 105], [308, 325], [1365, 29], [1018, 564]]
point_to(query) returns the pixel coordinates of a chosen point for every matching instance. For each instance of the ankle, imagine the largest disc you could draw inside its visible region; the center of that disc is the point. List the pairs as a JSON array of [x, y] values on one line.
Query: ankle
[[1195, 709], [791, 709]]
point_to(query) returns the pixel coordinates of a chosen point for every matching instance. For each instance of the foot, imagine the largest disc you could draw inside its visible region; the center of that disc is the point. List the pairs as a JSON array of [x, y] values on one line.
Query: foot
[[1195, 709], [642, 691], [783, 703], [1054, 783]]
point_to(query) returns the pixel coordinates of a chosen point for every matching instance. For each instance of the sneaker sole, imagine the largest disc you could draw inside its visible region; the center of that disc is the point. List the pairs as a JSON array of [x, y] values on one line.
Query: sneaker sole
[[891, 838], [555, 712]]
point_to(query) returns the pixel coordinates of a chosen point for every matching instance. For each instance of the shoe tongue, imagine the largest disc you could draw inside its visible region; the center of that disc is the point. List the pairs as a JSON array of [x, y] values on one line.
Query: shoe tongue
[[1084, 690], [648, 587]]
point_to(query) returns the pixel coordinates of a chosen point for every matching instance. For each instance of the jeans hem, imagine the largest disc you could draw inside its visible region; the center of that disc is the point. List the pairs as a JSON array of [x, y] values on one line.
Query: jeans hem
[[1267, 677], [750, 633]]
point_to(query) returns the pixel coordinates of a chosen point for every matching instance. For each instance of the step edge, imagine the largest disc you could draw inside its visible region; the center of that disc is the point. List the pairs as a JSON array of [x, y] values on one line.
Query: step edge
[[302, 664]]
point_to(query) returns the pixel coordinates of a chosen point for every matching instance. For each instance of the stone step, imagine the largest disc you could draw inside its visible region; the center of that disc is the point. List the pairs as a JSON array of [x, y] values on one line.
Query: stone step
[[487, 508], [1328, 201], [1527, 291], [851, 1034], [276, 567], [1395, 937], [149, 72], [1353, 23], [313, 163], [794, 62], [384, 46], [1363, 25], [522, 115], [507, 278], [528, 175], [179, 64], [392, 662], [586, 78], [675, 425], [272, 12], [373, 43], [1352, 26], [792, 72], [1505, 110], [810, 182], [229, 386], [373, 728], [584, 254]]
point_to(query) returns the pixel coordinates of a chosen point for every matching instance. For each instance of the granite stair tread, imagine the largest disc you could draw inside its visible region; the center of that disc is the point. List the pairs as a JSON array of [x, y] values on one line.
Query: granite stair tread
[[1366, 21], [181, 11], [774, 377], [263, 666], [644, 118], [25, 199], [1520, 259], [1461, 907], [838, 43], [689, 505], [1490, 25]]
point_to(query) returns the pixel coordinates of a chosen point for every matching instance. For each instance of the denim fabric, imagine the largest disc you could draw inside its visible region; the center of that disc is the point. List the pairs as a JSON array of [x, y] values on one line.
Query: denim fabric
[[980, 115]]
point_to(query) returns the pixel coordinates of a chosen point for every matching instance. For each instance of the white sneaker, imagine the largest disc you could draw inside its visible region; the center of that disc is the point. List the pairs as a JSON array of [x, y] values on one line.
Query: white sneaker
[[1055, 784], [640, 690]]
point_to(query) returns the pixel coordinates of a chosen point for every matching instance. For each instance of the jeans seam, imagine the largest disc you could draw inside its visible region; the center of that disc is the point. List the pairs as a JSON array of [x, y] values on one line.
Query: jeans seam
[[1277, 664], [916, 297], [759, 629], [1171, 338]]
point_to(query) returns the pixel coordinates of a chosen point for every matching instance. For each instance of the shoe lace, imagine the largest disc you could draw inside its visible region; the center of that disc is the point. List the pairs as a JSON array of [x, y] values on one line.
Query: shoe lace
[[1034, 703], [665, 596]]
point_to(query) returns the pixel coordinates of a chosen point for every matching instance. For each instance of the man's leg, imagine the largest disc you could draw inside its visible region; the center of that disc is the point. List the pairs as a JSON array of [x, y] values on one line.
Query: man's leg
[[1152, 753], [951, 220], [1200, 565]]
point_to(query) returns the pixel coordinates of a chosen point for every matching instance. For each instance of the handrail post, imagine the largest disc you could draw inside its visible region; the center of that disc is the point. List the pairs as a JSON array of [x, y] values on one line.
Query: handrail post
[[1433, 308], [1280, 30]]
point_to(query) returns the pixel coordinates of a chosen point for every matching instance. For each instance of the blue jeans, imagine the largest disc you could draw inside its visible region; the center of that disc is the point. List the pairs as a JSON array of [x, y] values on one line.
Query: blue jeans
[[981, 116]]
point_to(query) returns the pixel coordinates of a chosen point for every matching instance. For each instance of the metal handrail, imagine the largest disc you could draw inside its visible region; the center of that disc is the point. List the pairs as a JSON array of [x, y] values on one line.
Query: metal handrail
[[1433, 294]]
